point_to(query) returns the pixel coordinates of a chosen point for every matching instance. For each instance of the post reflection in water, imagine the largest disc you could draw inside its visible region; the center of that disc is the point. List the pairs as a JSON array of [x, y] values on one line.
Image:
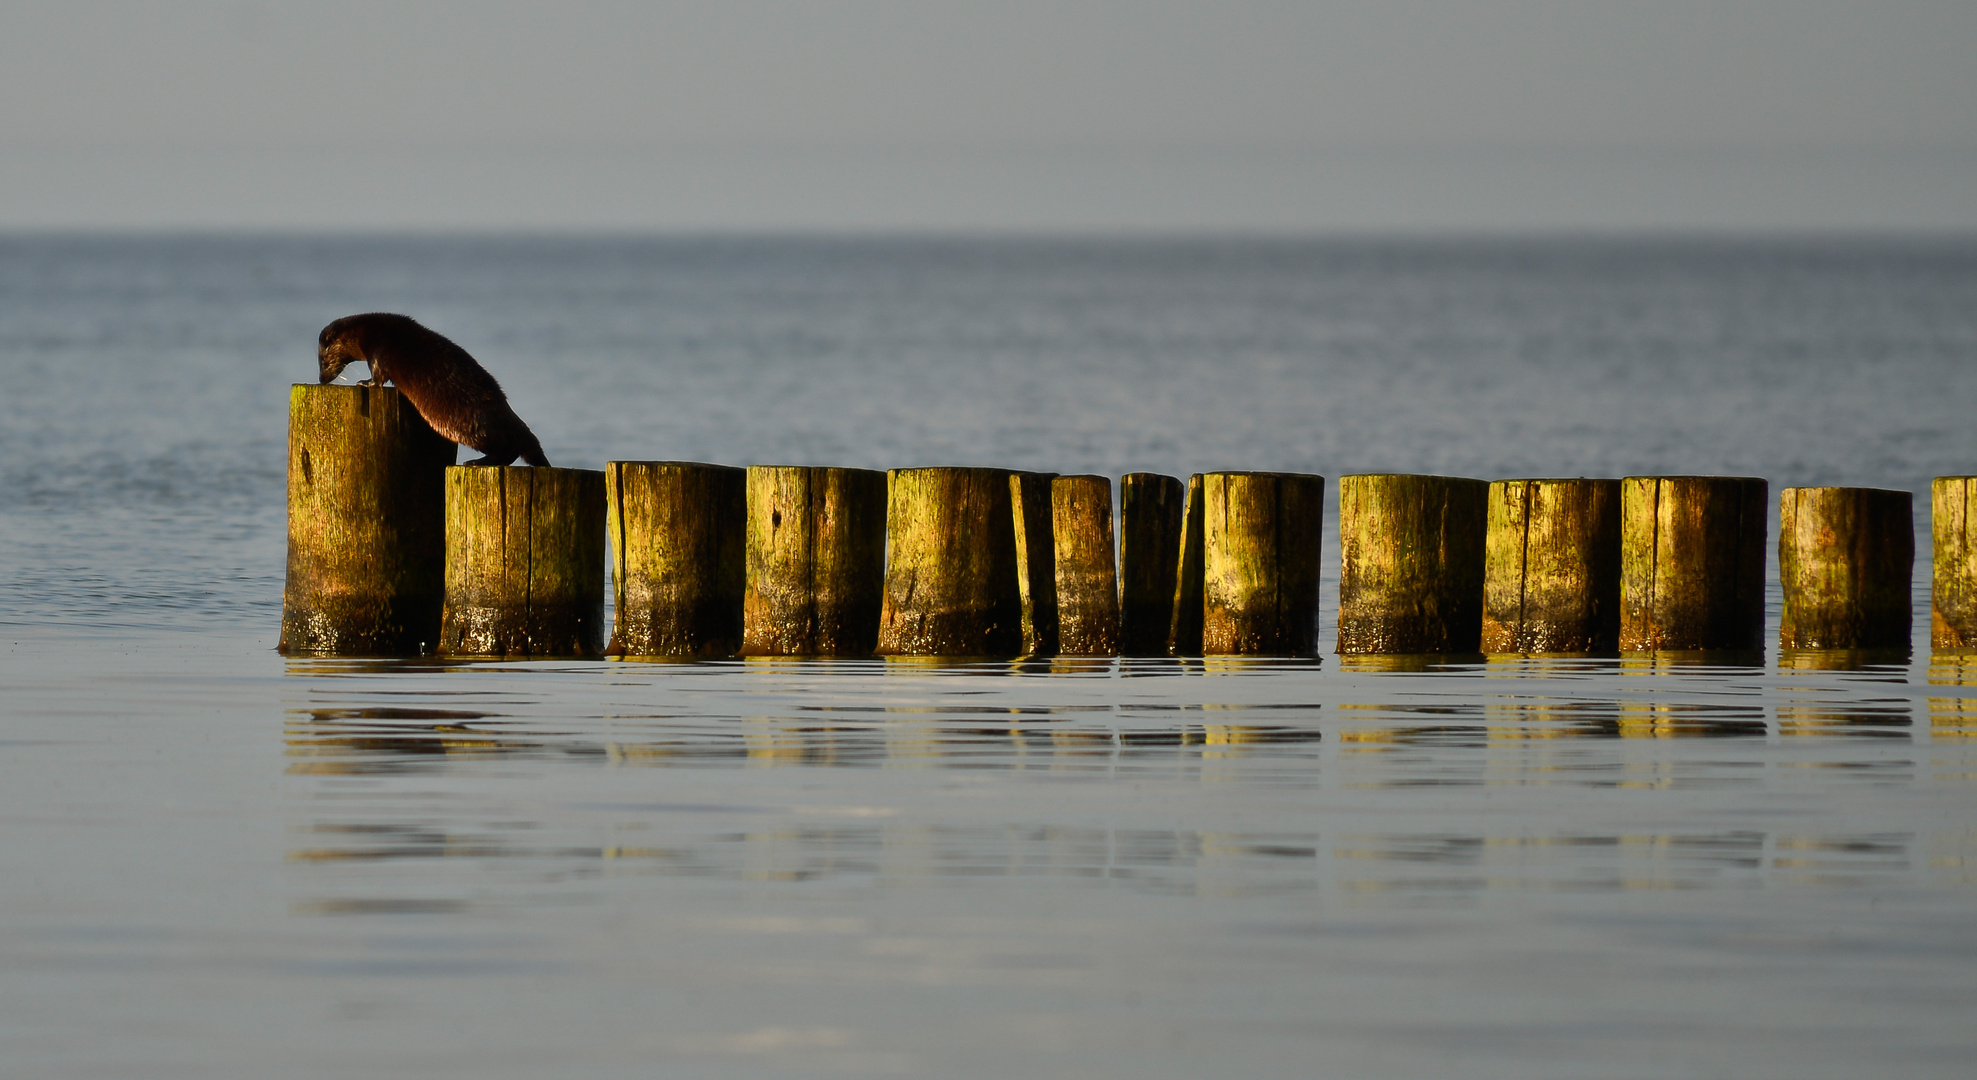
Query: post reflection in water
[[1025, 831], [1532, 722], [1953, 716], [1891, 662]]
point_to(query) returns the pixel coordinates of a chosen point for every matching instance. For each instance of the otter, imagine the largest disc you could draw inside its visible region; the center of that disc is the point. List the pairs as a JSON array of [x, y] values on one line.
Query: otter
[[454, 393]]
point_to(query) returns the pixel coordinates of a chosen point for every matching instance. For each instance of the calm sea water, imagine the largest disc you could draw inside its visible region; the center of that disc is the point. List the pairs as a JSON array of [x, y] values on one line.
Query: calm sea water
[[218, 863]]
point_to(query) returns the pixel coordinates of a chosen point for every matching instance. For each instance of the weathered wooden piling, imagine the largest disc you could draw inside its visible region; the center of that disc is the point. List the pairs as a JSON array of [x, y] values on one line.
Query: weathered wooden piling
[[1261, 537], [1846, 557], [1551, 577], [366, 524], [1152, 510], [1036, 561], [951, 583], [1692, 563], [1087, 578], [1953, 607], [1184, 633], [678, 557], [1411, 564], [816, 561], [524, 562]]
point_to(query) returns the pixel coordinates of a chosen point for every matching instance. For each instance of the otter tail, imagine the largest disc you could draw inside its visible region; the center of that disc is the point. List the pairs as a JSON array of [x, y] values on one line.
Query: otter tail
[[533, 454]]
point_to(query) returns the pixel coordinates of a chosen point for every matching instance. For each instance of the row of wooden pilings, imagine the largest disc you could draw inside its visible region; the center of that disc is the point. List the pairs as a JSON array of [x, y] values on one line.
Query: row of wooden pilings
[[394, 552]]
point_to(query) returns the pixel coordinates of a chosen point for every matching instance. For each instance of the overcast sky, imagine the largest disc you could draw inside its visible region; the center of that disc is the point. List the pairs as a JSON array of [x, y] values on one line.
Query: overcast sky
[[1071, 114]]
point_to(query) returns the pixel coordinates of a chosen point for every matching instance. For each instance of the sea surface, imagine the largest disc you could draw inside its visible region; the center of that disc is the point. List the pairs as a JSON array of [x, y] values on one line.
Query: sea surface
[[216, 862]]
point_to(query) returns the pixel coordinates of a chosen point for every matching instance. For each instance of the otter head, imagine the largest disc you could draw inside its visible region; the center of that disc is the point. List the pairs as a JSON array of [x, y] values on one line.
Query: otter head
[[336, 348]]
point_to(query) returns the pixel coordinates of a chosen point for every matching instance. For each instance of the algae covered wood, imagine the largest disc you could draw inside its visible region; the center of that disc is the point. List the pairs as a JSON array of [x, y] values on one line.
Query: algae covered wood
[[1953, 596], [1846, 557], [1184, 633], [1261, 538], [524, 562], [1036, 561], [816, 561], [678, 534], [951, 585], [1552, 567], [1152, 509], [1411, 563], [366, 524], [1692, 563], [1087, 578]]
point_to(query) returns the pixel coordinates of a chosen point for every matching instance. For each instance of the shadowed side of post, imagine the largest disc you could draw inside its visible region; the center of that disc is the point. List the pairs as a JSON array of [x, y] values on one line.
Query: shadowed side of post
[[1184, 633], [1036, 561], [1152, 510]]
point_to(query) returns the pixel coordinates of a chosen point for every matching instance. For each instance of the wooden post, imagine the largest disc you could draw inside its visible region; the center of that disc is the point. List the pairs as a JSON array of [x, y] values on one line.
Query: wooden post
[[1846, 557], [1036, 561], [816, 561], [1152, 509], [951, 575], [1551, 579], [1411, 564], [1953, 607], [1692, 563], [1087, 581], [678, 538], [366, 524], [1184, 634], [1261, 534], [524, 562]]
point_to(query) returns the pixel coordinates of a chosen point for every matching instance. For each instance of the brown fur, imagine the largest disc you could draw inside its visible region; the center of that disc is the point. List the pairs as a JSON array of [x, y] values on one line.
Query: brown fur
[[454, 393]]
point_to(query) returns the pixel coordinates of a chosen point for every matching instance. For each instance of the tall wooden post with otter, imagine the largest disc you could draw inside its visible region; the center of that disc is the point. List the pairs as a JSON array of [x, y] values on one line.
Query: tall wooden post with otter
[[367, 522]]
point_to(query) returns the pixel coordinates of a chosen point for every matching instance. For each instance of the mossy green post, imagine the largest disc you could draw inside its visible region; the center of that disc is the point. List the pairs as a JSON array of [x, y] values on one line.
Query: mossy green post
[[816, 561], [1086, 569], [366, 524], [1411, 564], [1551, 577], [951, 586], [1953, 607], [1261, 539], [1692, 563], [1846, 558], [524, 562], [678, 557]]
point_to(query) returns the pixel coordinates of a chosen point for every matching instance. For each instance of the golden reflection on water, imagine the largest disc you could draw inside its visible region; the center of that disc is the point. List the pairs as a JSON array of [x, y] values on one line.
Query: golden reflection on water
[[1688, 720], [775, 843], [1889, 719], [1407, 663], [1435, 722], [1843, 659], [1671, 661], [1953, 716]]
